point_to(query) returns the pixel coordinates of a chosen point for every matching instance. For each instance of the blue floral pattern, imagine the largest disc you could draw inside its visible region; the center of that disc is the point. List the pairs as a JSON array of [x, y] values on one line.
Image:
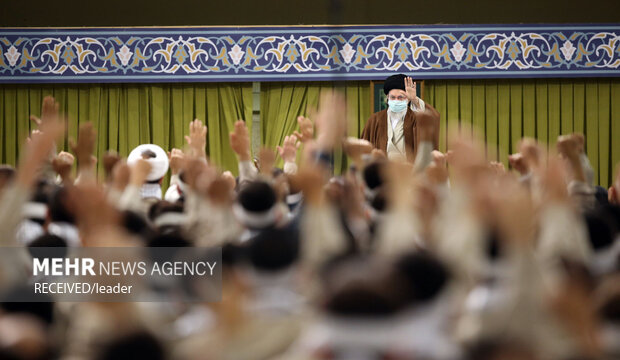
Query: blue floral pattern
[[307, 53]]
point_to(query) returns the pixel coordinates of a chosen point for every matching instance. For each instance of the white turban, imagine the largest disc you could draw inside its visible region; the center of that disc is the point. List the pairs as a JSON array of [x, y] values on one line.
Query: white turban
[[155, 155]]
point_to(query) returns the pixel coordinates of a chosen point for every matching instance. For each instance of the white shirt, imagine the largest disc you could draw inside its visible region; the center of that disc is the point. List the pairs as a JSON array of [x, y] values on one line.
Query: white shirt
[[396, 122]]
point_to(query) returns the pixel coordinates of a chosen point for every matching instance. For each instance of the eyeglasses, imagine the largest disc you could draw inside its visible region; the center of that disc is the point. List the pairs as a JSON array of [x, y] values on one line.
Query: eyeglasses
[[399, 98]]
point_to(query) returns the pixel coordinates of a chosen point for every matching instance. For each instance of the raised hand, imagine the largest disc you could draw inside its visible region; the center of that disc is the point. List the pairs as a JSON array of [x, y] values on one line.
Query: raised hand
[[139, 171], [517, 162], [197, 138], [120, 175], [532, 153], [85, 145], [425, 126], [37, 151], [177, 160], [378, 154], [97, 219], [439, 158], [267, 158], [219, 190], [497, 168], [331, 122], [569, 148], [288, 150], [356, 148], [198, 175], [110, 159], [310, 179], [49, 112], [437, 172], [306, 129], [410, 89], [240, 141], [62, 164]]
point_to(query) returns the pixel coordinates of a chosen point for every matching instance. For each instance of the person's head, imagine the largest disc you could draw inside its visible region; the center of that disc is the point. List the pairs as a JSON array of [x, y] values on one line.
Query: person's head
[[53, 247], [425, 276], [167, 216], [273, 250], [136, 225], [58, 209], [600, 230], [173, 241], [157, 158], [356, 286], [394, 89], [373, 175], [256, 205]]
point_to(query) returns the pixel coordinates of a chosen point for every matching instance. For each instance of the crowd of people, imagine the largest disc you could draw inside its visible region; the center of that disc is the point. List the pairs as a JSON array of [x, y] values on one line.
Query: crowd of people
[[445, 257]]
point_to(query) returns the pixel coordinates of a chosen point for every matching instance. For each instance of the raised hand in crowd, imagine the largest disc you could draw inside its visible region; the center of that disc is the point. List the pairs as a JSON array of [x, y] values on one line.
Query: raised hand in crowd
[[240, 141], [85, 147], [288, 150], [197, 139], [97, 219], [198, 175], [267, 160], [497, 167], [518, 163], [62, 165], [437, 171], [220, 191], [177, 160], [426, 127], [331, 122], [569, 147], [49, 112], [306, 129], [310, 179], [138, 173], [532, 153], [110, 159], [121, 174], [38, 149], [357, 149]]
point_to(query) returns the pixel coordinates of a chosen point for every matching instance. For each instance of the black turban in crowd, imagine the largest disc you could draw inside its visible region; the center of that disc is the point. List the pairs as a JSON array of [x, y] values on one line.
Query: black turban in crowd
[[394, 82]]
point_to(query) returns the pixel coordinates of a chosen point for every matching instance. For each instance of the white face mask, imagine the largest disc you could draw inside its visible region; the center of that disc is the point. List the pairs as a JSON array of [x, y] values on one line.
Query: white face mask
[[397, 105]]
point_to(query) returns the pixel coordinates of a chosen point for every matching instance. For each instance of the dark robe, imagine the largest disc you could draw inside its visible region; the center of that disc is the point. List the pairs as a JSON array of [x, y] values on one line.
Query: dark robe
[[376, 130]]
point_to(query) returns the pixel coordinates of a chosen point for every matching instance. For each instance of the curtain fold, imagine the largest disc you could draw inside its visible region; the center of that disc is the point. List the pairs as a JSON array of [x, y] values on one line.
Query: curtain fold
[[504, 111], [126, 115], [282, 103]]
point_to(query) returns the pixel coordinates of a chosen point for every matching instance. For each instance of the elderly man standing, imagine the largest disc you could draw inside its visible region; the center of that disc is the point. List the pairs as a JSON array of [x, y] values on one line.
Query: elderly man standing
[[394, 130]]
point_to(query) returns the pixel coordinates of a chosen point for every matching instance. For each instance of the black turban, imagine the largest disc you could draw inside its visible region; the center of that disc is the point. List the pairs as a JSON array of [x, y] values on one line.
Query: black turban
[[394, 82]]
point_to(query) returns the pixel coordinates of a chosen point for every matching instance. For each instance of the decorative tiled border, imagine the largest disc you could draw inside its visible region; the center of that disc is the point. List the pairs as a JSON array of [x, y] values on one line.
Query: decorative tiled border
[[307, 53]]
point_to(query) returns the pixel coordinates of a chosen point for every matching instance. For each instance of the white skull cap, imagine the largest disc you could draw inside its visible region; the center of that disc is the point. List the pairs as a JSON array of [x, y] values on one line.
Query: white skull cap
[[159, 163]]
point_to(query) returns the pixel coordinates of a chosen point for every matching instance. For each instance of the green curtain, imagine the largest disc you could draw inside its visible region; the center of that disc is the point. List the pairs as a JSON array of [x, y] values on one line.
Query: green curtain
[[126, 115], [504, 111], [282, 103]]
